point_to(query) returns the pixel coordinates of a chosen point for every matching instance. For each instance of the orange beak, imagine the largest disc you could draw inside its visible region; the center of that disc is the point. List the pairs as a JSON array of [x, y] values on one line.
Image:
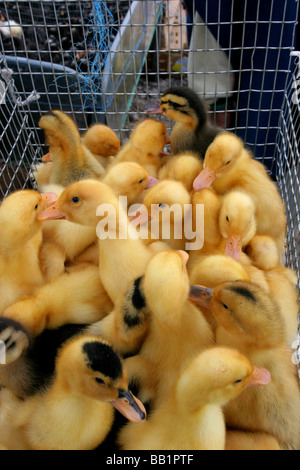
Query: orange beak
[[49, 198], [130, 406], [51, 213], [204, 180], [154, 111], [151, 182], [184, 255], [234, 247], [260, 376], [47, 158], [201, 295]]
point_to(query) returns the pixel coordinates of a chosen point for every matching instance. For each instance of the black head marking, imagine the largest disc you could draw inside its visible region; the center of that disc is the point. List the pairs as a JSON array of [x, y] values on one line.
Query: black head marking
[[244, 292], [9, 323], [102, 358], [130, 319], [138, 299]]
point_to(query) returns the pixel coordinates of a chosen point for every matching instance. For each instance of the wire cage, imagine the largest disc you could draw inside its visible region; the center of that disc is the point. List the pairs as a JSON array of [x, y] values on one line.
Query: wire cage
[[108, 61]]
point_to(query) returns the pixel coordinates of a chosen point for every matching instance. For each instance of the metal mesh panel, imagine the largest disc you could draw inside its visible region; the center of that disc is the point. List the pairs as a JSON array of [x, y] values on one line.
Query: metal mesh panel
[[104, 61]]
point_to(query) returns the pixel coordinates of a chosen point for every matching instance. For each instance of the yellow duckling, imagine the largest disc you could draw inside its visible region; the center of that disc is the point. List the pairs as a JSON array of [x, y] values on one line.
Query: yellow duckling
[[210, 271], [129, 179], [76, 411], [191, 417], [65, 243], [184, 167], [229, 222], [212, 238], [122, 254], [167, 204], [20, 243], [227, 166], [177, 329], [145, 145], [77, 296], [263, 252], [282, 283], [102, 142], [250, 320], [71, 161]]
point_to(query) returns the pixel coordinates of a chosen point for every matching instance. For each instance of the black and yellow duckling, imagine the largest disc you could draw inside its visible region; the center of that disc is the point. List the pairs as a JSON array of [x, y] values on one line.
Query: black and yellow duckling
[[75, 411], [192, 131], [128, 324], [191, 416], [30, 361]]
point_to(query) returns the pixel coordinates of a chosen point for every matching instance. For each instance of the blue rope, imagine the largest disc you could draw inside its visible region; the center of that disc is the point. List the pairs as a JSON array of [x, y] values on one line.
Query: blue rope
[[100, 30], [100, 27]]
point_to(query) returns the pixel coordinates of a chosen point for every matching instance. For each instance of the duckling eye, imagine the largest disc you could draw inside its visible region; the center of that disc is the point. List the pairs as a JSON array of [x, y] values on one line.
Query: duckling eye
[[99, 381], [141, 181], [75, 199], [227, 218], [36, 207], [238, 381], [225, 306], [228, 163], [161, 205]]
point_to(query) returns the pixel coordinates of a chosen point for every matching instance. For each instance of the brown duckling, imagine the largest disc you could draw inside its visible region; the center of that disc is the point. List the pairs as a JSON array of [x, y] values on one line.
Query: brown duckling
[[193, 130]]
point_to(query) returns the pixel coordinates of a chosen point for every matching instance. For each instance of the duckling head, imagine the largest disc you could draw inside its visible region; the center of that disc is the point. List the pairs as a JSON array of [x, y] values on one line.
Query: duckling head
[[162, 196], [184, 105], [237, 222], [150, 136], [218, 375], [78, 203], [101, 140], [128, 179], [24, 208], [263, 252], [220, 159], [166, 283], [89, 365], [245, 310]]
